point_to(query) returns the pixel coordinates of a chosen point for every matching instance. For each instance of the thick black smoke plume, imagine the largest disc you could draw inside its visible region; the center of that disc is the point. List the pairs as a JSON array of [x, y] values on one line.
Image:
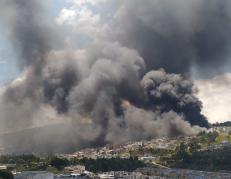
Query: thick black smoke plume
[[110, 91], [171, 92]]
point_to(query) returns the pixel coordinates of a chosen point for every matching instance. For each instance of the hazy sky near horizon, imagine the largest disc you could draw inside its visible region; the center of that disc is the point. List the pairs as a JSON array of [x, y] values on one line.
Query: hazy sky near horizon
[[84, 17]]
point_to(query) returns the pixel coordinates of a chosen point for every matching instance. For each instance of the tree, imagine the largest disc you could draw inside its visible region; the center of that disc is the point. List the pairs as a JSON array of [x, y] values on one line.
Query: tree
[[4, 174], [182, 157], [113, 164], [59, 163], [194, 146], [212, 136]]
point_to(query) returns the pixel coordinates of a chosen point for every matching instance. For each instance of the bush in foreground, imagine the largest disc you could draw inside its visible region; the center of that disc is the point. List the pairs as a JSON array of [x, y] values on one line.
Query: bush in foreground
[[4, 174]]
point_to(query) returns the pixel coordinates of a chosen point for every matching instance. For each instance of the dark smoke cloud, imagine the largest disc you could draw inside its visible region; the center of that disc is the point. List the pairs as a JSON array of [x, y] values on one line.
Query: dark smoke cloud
[[175, 35], [91, 96], [171, 92], [93, 109]]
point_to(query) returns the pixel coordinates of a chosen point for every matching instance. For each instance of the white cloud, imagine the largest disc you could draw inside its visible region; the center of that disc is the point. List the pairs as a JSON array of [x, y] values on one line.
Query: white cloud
[[67, 16], [83, 2], [216, 97], [83, 18]]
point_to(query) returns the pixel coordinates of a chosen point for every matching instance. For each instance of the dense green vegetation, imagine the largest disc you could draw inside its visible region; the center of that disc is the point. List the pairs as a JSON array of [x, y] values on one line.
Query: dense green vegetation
[[209, 160], [57, 164], [23, 162], [198, 153], [32, 163], [4, 174], [113, 164], [212, 160], [161, 152], [192, 157]]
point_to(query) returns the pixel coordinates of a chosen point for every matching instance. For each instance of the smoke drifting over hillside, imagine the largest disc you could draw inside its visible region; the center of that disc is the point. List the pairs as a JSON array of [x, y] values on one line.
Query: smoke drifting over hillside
[[117, 88]]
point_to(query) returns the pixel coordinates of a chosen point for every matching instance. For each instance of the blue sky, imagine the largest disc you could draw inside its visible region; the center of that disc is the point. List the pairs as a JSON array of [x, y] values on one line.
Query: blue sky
[[8, 62]]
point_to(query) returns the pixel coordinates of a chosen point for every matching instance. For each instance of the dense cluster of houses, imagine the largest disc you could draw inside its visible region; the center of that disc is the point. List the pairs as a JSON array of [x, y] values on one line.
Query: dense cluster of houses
[[124, 151]]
